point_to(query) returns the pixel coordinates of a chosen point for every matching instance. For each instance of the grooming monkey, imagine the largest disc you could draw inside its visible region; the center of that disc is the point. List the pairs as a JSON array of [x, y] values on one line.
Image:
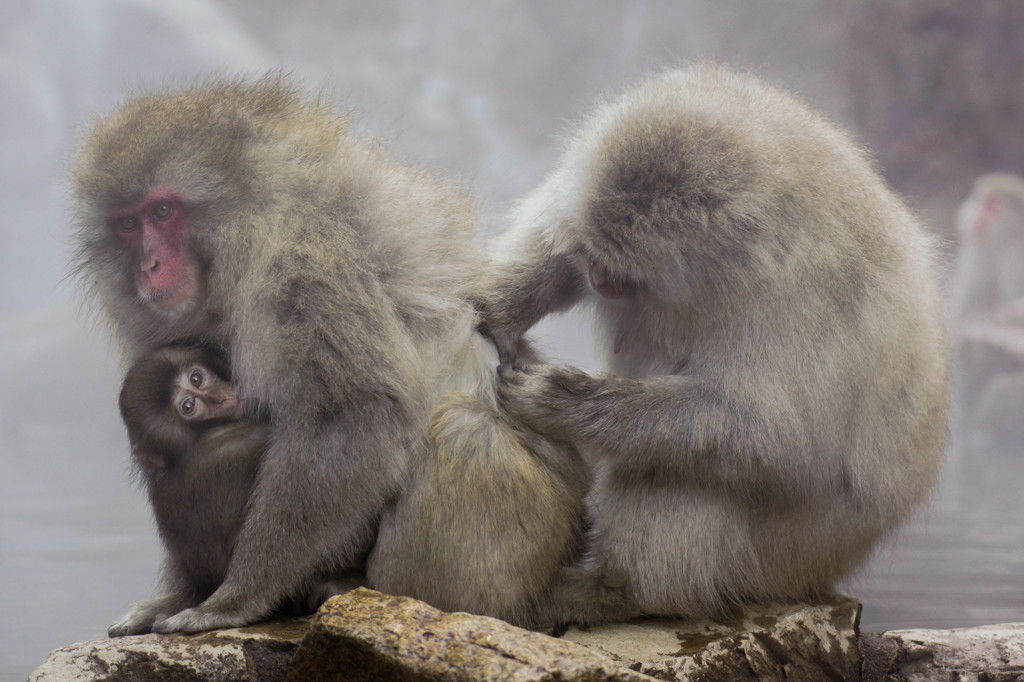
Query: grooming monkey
[[774, 395], [250, 218]]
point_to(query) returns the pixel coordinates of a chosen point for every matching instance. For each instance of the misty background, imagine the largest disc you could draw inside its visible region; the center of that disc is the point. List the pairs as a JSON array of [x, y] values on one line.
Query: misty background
[[481, 91]]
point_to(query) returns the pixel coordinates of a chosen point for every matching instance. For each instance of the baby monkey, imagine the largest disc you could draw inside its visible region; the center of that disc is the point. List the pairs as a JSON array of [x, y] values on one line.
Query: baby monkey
[[179, 403], [198, 446], [198, 452]]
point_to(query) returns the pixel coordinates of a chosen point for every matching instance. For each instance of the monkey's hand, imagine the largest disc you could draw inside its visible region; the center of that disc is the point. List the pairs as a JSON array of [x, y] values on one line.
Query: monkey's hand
[[140, 617], [499, 328], [199, 619], [547, 398]]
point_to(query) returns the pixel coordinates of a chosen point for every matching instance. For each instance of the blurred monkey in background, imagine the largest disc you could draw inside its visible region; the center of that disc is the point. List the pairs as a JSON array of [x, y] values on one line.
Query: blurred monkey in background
[[987, 312]]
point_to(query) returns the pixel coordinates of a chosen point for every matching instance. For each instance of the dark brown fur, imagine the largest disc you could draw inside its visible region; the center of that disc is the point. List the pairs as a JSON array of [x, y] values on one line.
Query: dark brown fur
[[198, 477]]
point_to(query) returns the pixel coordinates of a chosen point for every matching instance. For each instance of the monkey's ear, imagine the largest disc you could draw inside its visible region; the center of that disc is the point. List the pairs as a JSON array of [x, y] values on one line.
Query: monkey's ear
[[153, 459]]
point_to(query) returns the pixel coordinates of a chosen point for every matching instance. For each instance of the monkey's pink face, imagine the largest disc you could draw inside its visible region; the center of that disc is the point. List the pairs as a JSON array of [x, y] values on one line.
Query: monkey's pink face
[[153, 232]]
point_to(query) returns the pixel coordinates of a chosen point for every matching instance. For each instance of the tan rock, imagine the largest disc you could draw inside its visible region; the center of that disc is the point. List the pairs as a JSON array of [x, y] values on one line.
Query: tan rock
[[258, 652], [364, 635], [791, 642]]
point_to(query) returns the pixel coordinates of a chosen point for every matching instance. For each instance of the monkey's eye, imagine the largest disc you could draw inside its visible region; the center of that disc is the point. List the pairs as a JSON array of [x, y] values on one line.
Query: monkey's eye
[[196, 378], [128, 224], [161, 211], [188, 406]]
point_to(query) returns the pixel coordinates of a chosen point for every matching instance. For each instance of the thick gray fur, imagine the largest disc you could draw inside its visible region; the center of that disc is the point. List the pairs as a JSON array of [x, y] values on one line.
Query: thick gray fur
[[774, 396], [337, 280]]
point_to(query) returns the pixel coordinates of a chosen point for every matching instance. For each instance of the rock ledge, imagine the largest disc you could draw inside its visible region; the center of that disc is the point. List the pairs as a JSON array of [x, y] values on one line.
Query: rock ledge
[[365, 635]]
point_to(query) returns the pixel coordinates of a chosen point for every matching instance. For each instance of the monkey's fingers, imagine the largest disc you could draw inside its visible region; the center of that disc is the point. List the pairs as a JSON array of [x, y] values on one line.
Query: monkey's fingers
[[556, 379], [493, 322], [512, 372], [198, 620], [140, 617], [126, 627], [523, 395]]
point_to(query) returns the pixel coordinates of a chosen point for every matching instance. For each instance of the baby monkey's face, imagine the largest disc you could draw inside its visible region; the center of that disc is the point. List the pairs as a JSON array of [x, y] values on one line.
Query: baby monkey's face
[[200, 394]]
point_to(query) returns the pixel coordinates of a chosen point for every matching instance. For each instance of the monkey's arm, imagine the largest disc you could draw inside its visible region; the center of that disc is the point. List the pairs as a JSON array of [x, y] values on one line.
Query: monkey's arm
[[339, 379], [319, 490], [669, 423], [235, 443], [522, 292]]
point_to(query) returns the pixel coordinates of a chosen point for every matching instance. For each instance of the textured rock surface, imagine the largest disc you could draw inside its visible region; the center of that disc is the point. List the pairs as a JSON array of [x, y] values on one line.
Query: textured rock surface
[[259, 652], [993, 653], [793, 642], [365, 635]]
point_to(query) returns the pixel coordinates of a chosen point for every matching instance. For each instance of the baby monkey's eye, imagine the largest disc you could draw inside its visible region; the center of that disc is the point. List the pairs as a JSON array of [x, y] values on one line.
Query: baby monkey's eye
[[188, 406], [196, 378]]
